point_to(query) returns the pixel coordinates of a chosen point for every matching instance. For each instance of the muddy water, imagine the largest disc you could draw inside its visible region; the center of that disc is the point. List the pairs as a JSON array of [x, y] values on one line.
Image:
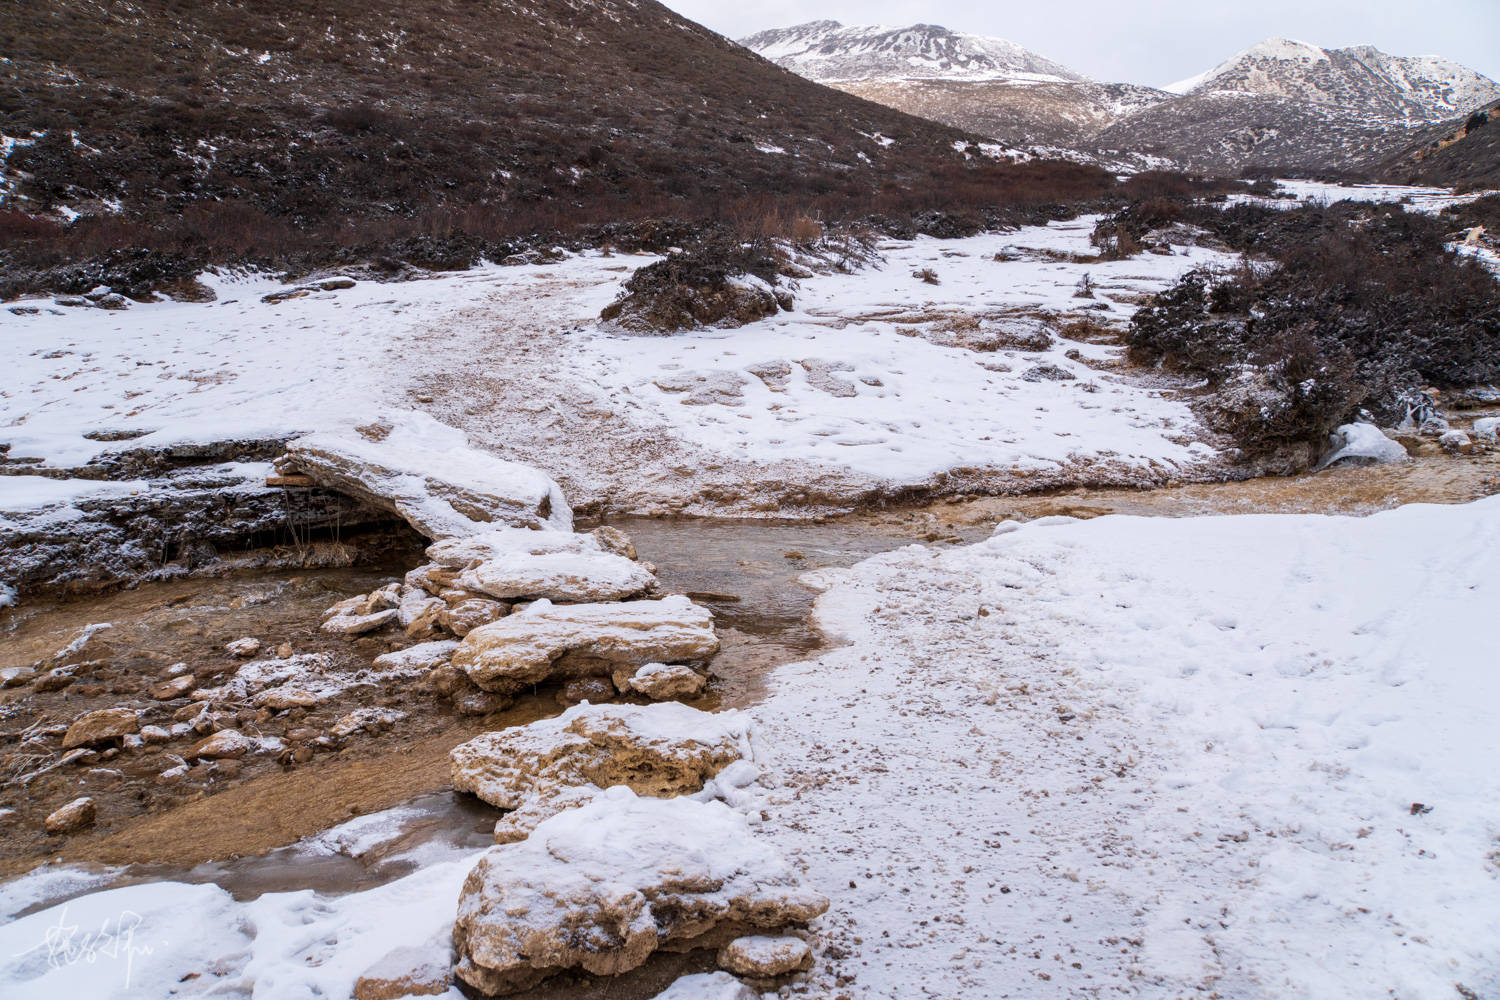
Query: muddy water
[[746, 571]]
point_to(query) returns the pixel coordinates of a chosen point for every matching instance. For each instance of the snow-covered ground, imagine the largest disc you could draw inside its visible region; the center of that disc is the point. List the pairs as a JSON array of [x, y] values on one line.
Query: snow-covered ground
[[852, 378], [517, 356], [1251, 756], [1248, 756], [1429, 200]]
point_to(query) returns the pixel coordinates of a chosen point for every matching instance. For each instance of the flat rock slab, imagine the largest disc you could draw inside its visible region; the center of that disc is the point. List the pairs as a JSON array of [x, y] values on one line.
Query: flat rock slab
[[461, 553], [602, 887], [584, 640], [541, 769], [574, 577], [101, 727], [430, 475]]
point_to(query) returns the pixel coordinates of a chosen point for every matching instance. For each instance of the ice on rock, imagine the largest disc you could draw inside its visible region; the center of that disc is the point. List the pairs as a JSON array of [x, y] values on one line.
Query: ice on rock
[[1487, 429], [602, 887], [540, 769], [1363, 444], [584, 640], [431, 476]]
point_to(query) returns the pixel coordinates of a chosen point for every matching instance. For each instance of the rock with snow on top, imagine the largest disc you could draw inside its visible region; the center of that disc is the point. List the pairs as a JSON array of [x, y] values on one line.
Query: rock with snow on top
[[708, 986], [761, 957], [584, 640], [612, 539], [246, 647], [431, 476], [369, 720], [663, 681], [416, 660], [577, 578], [540, 769], [1456, 442], [104, 726], [603, 887], [1362, 444], [360, 624], [1487, 429], [225, 744], [461, 553], [71, 818]]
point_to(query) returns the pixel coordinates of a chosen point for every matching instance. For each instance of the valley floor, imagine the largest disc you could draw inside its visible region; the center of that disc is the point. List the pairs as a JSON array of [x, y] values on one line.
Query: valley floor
[[1246, 756]]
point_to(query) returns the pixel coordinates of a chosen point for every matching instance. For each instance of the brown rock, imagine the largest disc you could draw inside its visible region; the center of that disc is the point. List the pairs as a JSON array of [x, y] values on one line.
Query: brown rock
[[243, 648], [760, 957], [101, 727], [225, 744], [594, 690], [71, 818], [482, 702], [615, 541], [472, 613], [176, 687], [16, 676], [288, 696]]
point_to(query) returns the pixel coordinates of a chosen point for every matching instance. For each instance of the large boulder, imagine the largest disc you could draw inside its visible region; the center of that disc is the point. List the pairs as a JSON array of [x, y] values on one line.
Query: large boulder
[[551, 765], [602, 887], [431, 476], [575, 577], [584, 640]]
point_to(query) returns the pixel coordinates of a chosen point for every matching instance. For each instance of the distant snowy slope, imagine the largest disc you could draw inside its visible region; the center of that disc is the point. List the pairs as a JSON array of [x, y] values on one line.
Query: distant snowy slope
[[1358, 79], [828, 51]]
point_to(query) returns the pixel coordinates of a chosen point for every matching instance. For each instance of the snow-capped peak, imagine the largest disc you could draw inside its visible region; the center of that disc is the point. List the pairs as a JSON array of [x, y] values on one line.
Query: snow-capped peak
[[1361, 78], [830, 52]]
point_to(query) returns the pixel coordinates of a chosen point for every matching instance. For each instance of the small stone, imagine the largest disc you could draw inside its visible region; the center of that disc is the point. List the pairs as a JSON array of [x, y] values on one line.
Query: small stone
[[481, 703], [101, 727], [288, 696], [172, 775], [176, 670], [594, 690], [1456, 443], [284, 651], [614, 541], [155, 734], [244, 648], [180, 730], [360, 624], [227, 743], [71, 818], [113, 301], [370, 720], [176, 687], [410, 971], [761, 957], [662, 682]]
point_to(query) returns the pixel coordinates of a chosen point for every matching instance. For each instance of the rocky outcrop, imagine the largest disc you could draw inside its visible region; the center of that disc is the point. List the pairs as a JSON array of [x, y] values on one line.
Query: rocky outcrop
[[541, 769], [584, 640], [429, 474], [602, 887]]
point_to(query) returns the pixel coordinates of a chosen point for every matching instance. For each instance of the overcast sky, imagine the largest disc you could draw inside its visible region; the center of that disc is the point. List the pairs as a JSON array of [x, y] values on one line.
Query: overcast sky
[[1154, 42]]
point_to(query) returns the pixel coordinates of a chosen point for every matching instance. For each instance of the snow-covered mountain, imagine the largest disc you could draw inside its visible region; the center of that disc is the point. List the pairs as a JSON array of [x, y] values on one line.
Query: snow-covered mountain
[[1360, 79], [830, 52]]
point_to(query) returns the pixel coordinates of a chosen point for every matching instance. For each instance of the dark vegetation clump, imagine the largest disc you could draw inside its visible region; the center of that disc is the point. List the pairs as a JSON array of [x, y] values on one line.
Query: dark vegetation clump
[[705, 286], [1357, 308]]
